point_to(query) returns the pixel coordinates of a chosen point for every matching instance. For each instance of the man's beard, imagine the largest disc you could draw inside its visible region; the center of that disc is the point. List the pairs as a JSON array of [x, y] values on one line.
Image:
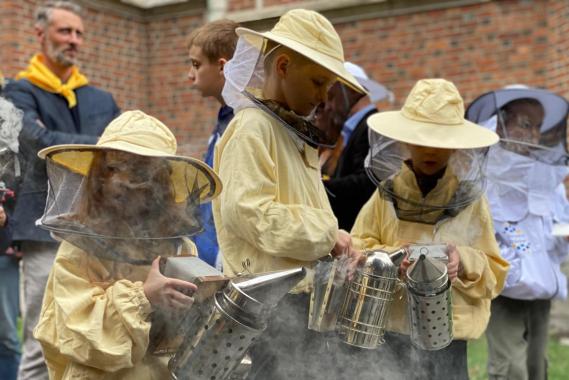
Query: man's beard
[[58, 55]]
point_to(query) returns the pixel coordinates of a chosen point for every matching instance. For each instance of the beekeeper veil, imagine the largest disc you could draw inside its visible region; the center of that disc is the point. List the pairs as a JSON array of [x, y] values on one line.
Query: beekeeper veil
[[530, 122], [128, 196], [304, 32], [432, 117]]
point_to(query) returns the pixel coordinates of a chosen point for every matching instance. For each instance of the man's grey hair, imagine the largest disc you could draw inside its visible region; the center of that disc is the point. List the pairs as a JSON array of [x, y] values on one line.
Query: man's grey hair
[[43, 13]]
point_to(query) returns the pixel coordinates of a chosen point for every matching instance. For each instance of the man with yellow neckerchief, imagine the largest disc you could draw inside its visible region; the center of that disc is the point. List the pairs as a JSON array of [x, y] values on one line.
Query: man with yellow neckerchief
[[59, 108]]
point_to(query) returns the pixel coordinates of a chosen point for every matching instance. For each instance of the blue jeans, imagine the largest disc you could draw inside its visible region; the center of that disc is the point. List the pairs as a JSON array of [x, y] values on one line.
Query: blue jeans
[[9, 310]]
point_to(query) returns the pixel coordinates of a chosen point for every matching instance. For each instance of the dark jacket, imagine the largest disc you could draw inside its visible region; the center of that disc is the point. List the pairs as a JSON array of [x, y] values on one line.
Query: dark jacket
[[49, 121], [350, 187], [5, 236]]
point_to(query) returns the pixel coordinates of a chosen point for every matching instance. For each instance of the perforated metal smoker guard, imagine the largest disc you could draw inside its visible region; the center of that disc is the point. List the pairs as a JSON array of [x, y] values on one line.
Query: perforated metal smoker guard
[[429, 304]]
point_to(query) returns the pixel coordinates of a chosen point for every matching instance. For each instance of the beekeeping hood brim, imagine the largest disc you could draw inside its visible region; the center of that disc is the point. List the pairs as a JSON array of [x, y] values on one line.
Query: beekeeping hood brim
[[432, 116], [485, 106], [140, 134], [311, 35]]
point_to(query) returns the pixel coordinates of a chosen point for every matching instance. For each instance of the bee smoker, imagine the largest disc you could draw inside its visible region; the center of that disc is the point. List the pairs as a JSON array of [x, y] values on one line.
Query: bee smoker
[[218, 340], [366, 307], [169, 327], [429, 304]]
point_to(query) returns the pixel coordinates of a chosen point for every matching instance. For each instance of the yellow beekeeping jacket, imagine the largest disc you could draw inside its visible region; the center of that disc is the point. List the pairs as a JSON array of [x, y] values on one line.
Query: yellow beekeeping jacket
[[377, 226], [93, 326], [273, 213]]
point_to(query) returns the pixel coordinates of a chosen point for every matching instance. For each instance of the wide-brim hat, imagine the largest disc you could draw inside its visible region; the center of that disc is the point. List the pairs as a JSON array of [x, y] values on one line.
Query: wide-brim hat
[[486, 105], [140, 134], [311, 35], [433, 116]]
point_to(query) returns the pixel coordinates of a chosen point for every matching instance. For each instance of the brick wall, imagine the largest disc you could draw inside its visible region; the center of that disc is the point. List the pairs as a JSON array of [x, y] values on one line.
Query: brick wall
[[558, 57], [115, 56], [140, 56], [17, 39], [238, 5], [170, 97], [280, 2], [479, 47], [140, 59]]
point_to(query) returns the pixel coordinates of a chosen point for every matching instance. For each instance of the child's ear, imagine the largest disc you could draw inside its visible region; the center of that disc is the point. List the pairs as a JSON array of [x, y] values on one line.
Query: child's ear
[[282, 64], [221, 62]]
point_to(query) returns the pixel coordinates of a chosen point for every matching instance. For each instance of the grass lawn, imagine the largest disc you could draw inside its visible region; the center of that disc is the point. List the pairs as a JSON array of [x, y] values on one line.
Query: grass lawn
[[558, 360]]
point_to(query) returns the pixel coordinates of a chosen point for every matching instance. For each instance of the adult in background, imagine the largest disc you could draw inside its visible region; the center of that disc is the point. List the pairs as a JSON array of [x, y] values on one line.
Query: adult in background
[[346, 110], [210, 47], [60, 107]]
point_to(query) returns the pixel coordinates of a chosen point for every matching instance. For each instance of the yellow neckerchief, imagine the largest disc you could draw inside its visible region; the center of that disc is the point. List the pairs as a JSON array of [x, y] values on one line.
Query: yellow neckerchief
[[41, 76]]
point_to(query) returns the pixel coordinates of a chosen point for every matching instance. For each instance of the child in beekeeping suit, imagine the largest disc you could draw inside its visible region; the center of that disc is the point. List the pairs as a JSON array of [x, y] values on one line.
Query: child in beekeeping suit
[[118, 206], [275, 213], [432, 163]]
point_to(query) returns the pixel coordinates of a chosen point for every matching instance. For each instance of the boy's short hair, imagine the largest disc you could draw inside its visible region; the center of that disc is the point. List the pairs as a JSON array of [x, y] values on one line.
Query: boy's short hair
[[217, 39]]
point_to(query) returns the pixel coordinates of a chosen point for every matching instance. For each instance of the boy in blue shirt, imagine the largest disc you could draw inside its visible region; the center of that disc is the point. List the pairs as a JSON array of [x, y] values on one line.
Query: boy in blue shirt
[[210, 47]]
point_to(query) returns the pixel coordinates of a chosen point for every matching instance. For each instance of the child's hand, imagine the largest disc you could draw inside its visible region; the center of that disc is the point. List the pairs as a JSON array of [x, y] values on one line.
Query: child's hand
[[405, 263], [453, 262], [167, 292], [343, 244], [2, 217], [355, 259], [404, 266]]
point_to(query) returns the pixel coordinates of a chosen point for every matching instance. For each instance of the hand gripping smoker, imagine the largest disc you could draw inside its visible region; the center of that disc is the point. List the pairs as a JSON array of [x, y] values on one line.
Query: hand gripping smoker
[[219, 336], [368, 299]]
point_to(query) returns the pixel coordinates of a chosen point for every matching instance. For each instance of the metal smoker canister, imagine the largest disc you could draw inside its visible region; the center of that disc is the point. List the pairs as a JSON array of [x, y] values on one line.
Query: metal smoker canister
[[216, 346], [429, 304], [368, 299], [327, 294]]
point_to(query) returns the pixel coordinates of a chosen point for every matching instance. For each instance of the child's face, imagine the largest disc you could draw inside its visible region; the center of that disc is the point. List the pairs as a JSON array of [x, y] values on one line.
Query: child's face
[[522, 123], [428, 161], [207, 77], [128, 181], [304, 85]]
